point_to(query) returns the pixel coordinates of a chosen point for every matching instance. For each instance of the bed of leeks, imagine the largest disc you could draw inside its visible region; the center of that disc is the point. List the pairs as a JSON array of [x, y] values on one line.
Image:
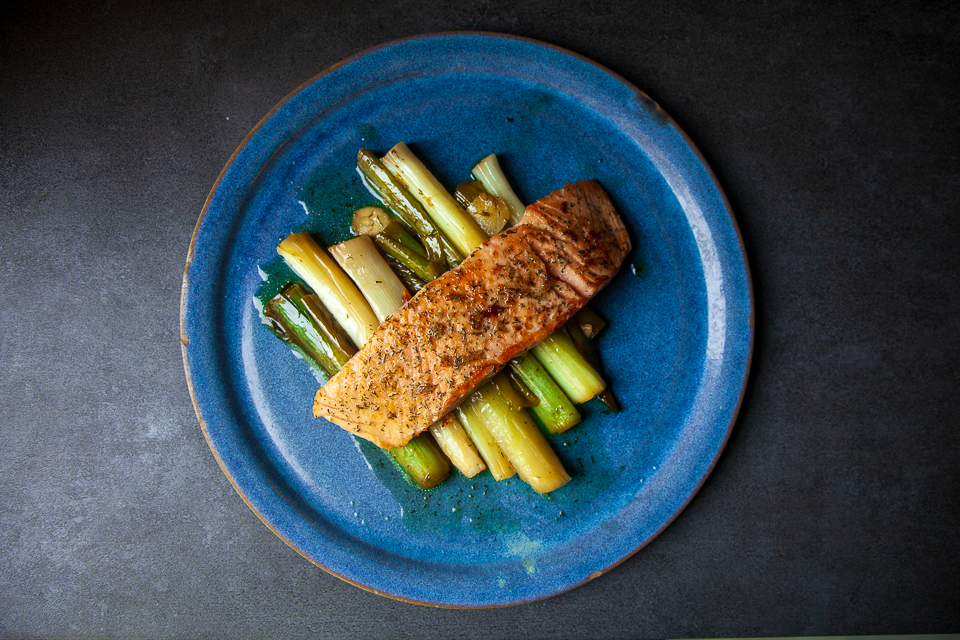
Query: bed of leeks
[[490, 429]]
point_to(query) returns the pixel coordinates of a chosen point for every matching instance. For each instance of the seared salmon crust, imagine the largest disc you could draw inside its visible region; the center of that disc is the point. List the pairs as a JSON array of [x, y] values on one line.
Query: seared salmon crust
[[513, 291]]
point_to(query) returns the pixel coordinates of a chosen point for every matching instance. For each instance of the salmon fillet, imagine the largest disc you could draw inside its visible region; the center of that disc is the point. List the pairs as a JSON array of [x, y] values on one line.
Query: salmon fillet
[[513, 291]]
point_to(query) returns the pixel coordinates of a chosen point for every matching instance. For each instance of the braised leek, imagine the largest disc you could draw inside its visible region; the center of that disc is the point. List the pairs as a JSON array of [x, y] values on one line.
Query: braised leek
[[298, 316], [453, 221], [489, 173], [322, 274]]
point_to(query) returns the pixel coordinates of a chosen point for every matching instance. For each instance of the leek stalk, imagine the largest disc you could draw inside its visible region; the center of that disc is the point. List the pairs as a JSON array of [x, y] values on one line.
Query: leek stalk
[[489, 173], [401, 202], [456, 443], [393, 241], [462, 231], [556, 412], [516, 400], [410, 280], [520, 440], [476, 427], [297, 316], [322, 274], [376, 280], [567, 366], [585, 347], [423, 461]]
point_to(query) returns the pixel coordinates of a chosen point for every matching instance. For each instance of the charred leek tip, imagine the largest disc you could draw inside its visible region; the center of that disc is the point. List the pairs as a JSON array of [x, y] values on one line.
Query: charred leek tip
[[374, 277], [489, 173], [607, 398], [521, 441], [423, 461], [322, 274], [453, 222]]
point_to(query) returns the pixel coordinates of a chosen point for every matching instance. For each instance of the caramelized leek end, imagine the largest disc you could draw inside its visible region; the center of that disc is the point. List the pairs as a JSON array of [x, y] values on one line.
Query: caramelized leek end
[[555, 411], [374, 277], [589, 322], [571, 371], [457, 445], [521, 441], [489, 173], [423, 461], [322, 274], [476, 427], [464, 234], [297, 316], [487, 210]]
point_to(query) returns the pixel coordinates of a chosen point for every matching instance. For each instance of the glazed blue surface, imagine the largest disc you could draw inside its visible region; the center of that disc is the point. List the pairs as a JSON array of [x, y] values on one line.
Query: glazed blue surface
[[676, 351]]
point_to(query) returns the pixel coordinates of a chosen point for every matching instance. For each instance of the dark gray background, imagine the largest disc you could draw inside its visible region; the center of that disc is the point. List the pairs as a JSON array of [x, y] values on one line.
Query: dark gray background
[[833, 128]]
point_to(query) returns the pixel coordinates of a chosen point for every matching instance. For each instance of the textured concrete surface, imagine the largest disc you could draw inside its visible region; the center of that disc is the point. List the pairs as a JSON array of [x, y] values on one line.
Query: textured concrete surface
[[833, 128]]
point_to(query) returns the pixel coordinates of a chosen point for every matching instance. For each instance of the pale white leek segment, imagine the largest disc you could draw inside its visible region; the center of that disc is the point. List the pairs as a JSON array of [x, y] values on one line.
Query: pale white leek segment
[[522, 441], [474, 424], [457, 445], [339, 294], [376, 280], [489, 173], [569, 369], [458, 227]]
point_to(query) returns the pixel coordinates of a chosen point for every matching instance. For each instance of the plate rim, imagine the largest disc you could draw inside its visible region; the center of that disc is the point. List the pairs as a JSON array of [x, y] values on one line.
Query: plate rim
[[730, 216]]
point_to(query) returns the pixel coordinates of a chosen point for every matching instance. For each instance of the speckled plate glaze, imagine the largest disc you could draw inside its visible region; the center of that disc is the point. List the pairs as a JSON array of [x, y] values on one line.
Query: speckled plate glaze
[[677, 349]]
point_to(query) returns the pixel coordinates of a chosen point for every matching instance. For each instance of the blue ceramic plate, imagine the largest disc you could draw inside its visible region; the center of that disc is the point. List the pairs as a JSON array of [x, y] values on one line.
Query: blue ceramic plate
[[676, 351]]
